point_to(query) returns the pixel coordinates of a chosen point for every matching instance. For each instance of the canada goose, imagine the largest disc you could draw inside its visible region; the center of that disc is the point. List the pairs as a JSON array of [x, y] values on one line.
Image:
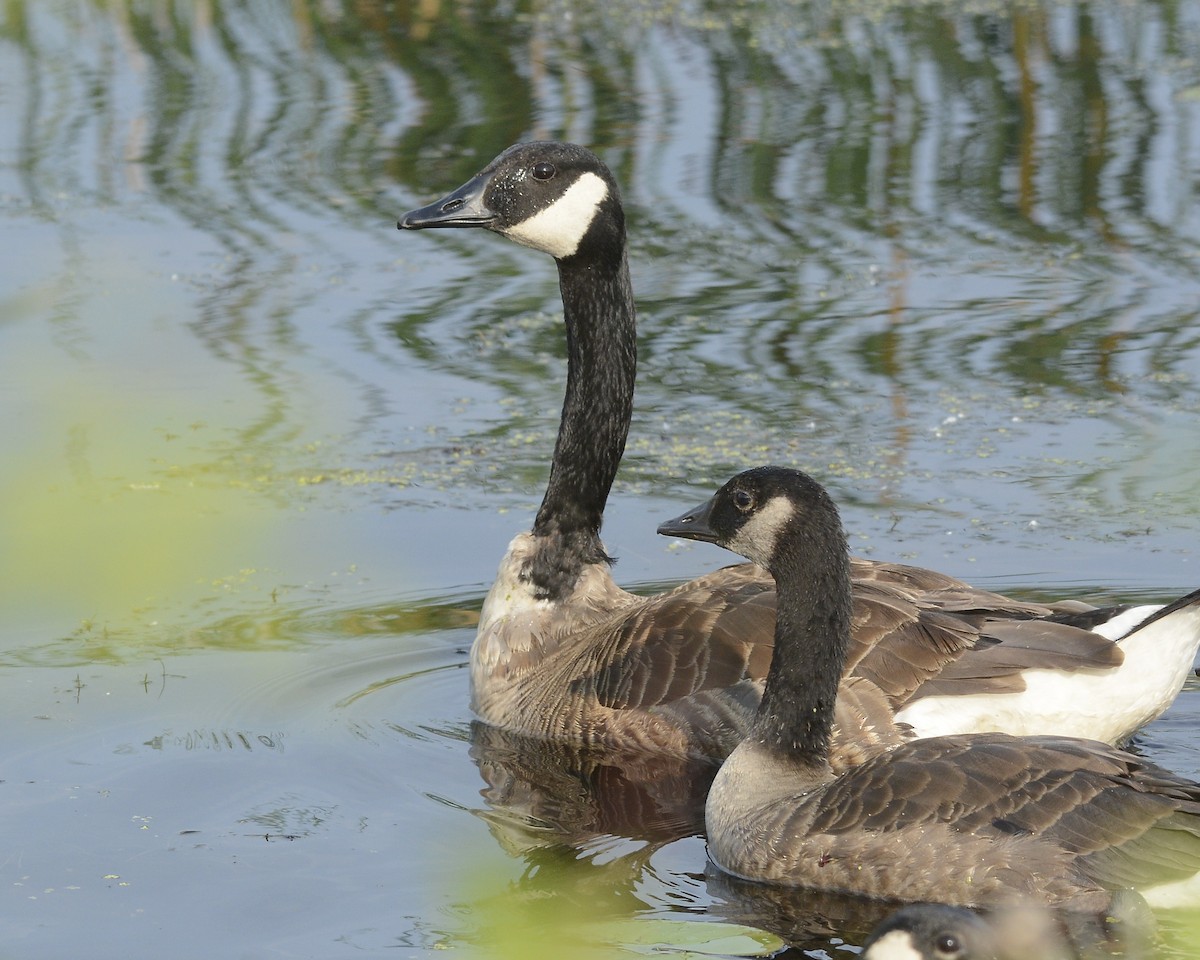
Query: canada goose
[[971, 820], [934, 931], [563, 652]]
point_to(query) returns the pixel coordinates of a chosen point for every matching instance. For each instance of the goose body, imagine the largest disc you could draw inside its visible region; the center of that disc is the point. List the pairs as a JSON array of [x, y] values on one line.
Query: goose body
[[971, 820], [563, 652]]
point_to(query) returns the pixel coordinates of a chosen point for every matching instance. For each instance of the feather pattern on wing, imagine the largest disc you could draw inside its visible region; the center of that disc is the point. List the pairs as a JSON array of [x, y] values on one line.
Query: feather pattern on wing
[[1046, 817]]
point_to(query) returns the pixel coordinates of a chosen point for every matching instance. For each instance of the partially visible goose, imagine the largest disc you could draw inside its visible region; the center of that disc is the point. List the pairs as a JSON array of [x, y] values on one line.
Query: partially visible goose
[[934, 931], [563, 652], [970, 820]]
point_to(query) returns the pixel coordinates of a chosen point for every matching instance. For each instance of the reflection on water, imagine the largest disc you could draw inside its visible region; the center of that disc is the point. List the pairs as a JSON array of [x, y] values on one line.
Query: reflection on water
[[216, 740], [901, 246], [543, 793], [263, 452]]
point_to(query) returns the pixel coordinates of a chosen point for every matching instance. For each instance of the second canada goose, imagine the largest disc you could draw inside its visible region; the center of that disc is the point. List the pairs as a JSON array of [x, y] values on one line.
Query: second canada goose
[[970, 820], [563, 652]]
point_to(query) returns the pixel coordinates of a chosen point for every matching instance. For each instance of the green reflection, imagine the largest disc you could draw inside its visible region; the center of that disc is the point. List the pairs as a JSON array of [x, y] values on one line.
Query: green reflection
[[858, 148], [566, 904]]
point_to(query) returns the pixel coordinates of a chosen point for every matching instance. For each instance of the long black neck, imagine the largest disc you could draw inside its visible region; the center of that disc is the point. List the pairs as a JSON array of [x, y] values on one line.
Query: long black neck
[[812, 638], [598, 406]]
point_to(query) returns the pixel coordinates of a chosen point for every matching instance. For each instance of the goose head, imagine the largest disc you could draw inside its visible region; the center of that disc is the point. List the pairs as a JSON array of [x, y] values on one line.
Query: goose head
[[934, 931], [760, 513], [784, 520], [930, 931], [556, 197]]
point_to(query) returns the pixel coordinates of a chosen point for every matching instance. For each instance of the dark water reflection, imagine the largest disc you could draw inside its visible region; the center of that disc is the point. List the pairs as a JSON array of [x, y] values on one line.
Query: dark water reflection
[[264, 452], [577, 795]]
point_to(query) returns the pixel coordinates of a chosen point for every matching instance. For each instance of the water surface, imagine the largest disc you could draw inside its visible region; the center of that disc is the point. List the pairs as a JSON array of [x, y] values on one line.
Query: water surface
[[263, 452]]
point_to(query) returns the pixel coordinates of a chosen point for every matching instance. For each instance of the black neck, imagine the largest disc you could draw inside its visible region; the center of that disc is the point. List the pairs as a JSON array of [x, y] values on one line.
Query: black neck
[[598, 406], [812, 637]]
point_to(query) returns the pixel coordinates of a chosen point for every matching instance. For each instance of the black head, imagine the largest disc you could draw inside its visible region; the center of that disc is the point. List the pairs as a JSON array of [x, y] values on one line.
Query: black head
[[754, 513], [930, 931], [556, 197]]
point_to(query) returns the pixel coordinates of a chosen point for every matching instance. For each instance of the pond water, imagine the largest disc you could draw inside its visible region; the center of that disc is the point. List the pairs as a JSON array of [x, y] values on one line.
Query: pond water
[[262, 452]]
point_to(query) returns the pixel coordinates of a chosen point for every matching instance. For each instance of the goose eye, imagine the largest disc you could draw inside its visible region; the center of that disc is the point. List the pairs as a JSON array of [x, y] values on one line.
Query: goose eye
[[743, 500], [543, 170], [948, 946]]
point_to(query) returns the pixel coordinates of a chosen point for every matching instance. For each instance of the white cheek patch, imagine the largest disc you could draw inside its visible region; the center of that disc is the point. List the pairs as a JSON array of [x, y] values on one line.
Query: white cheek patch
[[559, 229], [894, 945], [756, 540]]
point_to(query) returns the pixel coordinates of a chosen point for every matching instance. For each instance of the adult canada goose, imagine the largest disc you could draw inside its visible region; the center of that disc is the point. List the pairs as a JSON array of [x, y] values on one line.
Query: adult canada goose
[[563, 652], [971, 820]]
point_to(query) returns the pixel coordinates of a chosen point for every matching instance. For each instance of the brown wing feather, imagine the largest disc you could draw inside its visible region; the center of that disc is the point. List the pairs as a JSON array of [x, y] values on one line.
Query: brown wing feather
[[695, 657], [1051, 645], [1060, 818], [899, 644], [1043, 786], [1005, 648], [864, 725], [717, 631], [708, 634]]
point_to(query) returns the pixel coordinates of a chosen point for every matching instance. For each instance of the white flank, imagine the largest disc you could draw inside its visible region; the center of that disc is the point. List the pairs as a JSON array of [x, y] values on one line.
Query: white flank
[[1118, 626], [1181, 895], [893, 945], [559, 229], [1104, 705]]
